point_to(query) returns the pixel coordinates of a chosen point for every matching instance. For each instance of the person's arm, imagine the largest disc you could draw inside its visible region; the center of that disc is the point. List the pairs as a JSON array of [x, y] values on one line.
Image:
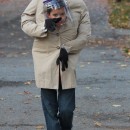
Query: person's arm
[[84, 32], [28, 21]]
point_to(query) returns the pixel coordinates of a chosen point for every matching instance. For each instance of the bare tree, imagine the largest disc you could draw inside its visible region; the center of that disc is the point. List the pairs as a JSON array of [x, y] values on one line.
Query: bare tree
[[118, 0]]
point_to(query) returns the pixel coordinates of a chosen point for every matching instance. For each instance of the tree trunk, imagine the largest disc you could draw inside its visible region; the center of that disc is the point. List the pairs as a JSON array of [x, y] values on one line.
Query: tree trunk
[[118, 0]]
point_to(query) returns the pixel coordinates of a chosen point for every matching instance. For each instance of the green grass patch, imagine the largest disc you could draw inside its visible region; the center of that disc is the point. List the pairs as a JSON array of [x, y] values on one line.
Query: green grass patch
[[120, 14]]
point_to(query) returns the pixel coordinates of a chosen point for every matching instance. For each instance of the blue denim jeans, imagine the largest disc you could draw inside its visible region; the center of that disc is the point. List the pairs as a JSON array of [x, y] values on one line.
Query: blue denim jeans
[[58, 107]]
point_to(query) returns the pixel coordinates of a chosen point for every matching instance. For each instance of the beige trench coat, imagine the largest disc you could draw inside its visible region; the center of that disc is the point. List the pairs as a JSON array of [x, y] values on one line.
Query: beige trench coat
[[73, 35]]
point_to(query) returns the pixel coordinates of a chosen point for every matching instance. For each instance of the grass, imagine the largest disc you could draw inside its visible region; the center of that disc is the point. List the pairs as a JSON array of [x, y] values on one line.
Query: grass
[[120, 14]]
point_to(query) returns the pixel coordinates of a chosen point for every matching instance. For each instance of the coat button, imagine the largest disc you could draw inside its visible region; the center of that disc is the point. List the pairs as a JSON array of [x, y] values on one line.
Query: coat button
[[58, 47], [57, 34]]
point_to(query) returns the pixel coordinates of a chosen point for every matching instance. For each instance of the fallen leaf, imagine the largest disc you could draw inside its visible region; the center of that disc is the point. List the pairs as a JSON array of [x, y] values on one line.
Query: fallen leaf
[[20, 93], [118, 63], [27, 83], [20, 39], [103, 52], [123, 65], [14, 26], [26, 102], [88, 88], [82, 66], [24, 53], [39, 127], [103, 62], [27, 92], [115, 105], [98, 124], [2, 99], [37, 96], [12, 34]]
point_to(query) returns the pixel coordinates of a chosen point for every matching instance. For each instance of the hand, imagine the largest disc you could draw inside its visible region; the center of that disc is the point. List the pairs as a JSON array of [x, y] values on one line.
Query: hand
[[50, 24], [63, 58]]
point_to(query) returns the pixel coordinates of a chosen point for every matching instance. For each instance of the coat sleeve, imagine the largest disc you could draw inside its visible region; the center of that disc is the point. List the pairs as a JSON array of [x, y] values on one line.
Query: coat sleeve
[[84, 32], [28, 21]]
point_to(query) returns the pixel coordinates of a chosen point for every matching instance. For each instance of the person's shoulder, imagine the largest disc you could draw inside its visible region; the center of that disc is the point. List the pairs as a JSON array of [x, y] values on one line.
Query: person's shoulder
[[36, 1], [76, 4]]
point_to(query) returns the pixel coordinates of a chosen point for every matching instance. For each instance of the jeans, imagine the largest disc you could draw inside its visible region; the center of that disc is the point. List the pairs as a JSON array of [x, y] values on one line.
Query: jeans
[[58, 107]]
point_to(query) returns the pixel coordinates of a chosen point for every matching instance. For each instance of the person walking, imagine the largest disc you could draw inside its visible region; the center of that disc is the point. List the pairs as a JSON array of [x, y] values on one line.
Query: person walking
[[61, 29]]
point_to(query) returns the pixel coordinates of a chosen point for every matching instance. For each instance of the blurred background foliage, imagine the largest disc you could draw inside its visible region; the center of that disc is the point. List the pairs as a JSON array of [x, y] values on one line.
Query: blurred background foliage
[[120, 13]]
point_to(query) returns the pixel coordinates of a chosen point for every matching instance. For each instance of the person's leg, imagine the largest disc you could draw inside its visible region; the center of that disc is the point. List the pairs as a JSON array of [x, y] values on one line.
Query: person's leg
[[66, 101], [50, 108]]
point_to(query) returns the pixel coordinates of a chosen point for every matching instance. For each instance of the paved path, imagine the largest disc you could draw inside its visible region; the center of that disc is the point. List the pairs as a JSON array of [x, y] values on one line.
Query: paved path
[[102, 95]]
